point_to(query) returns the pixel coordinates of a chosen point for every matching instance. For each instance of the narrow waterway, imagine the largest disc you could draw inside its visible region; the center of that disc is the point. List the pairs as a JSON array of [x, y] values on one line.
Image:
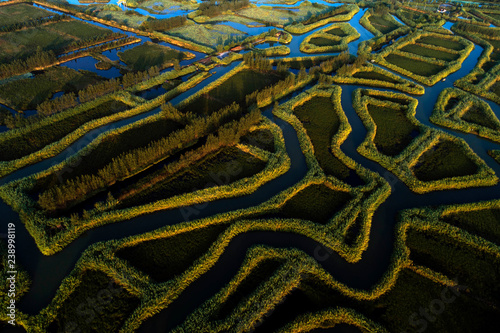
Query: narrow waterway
[[47, 272]]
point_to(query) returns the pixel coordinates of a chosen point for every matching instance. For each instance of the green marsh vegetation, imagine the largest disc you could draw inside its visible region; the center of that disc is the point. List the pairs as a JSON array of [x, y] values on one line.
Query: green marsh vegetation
[[258, 274], [234, 89], [164, 258], [443, 42], [206, 172], [18, 147], [418, 67], [430, 53], [99, 295], [18, 13], [394, 130], [481, 222], [149, 54], [444, 254], [372, 75], [28, 93], [445, 159], [317, 203], [57, 37], [321, 121]]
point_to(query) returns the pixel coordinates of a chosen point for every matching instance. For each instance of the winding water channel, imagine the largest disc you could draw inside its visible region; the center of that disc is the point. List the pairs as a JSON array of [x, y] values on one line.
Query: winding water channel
[[47, 272]]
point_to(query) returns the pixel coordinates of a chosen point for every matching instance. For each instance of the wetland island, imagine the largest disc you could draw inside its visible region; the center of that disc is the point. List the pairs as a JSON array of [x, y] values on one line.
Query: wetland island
[[199, 166]]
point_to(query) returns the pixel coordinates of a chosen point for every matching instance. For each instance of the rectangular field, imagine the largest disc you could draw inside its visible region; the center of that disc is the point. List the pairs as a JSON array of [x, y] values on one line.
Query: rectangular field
[[415, 66], [19, 13], [430, 53]]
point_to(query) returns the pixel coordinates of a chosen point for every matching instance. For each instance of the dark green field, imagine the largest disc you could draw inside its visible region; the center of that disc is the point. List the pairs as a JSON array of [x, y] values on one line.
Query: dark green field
[[97, 304], [336, 32], [381, 24], [415, 66], [142, 57], [373, 76], [213, 170], [233, 89], [321, 41], [42, 136], [321, 122], [483, 222], [53, 36], [430, 53], [444, 160], [165, 258], [317, 203], [477, 116], [26, 94], [443, 42], [394, 130], [18, 13]]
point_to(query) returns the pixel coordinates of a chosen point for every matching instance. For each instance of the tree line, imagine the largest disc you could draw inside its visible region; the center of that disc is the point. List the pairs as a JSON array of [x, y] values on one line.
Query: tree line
[[130, 163], [476, 29], [215, 7], [257, 61], [129, 79], [46, 58], [33, 23]]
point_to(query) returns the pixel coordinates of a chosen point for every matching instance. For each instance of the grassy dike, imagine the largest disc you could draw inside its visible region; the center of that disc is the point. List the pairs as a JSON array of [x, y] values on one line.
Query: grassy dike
[[36, 221], [422, 68], [276, 284], [464, 112], [483, 79], [137, 106], [330, 42], [370, 75], [343, 13], [416, 163]]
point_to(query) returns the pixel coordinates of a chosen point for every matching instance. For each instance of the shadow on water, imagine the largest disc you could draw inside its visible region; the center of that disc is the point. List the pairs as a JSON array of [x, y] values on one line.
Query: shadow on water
[[48, 271]]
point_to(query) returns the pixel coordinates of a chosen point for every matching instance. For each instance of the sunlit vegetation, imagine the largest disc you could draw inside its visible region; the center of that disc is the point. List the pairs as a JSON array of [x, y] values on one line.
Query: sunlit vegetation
[[317, 203], [482, 80], [131, 152], [463, 111], [423, 58], [418, 67], [319, 117], [280, 17], [234, 89], [430, 53], [221, 167], [208, 34], [426, 160], [323, 41], [144, 56]]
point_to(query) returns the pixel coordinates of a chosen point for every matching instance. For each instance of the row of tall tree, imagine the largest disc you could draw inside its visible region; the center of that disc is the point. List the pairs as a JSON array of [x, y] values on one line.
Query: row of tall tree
[[215, 7], [257, 61], [127, 164]]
